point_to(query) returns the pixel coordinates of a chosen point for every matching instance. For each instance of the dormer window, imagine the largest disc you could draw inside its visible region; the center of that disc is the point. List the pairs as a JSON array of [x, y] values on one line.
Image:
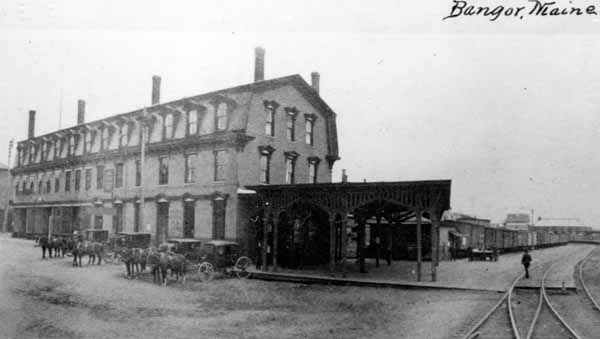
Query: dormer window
[[270, 108], [87, 142], [309, 125], [123, 135], [192, 120], [71, 149], [221, 117], [168, 127]]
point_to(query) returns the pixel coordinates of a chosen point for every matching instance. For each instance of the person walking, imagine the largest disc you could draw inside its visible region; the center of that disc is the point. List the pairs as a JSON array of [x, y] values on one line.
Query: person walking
[[525, 261]]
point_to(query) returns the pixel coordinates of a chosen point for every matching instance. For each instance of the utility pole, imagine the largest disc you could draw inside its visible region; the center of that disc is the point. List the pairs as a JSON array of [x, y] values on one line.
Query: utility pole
[[10, 188]]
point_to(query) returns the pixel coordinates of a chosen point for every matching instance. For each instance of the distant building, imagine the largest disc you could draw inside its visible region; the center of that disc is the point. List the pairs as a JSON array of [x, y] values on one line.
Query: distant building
[[517, 221], [561, 225], [4, 191]]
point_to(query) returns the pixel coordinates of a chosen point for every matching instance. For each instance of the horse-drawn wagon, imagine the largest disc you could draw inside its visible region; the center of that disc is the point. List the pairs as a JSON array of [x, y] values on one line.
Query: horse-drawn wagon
[[207, 258]]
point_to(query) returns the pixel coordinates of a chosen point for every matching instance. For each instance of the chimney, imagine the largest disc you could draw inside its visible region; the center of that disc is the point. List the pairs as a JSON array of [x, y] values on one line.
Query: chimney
[[259, 64], [344, 176], [316, 78], [80, 112], [31, 133], [155, 89]]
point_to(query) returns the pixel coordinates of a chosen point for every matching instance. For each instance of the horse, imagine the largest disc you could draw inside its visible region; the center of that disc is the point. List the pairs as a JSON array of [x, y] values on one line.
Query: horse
[[163, 261], [52, 243], [90, 248], [134, 259]]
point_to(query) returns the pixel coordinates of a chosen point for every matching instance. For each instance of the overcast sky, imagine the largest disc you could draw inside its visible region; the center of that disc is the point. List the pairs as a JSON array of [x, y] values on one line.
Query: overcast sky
[[509, 110]]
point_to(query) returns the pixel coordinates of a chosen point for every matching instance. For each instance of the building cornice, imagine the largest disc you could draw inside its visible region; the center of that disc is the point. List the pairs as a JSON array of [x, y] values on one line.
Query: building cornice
[[234, 139]]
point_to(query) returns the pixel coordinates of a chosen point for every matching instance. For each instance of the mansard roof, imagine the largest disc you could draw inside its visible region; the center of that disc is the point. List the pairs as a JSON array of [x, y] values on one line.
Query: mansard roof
[[242, 101]]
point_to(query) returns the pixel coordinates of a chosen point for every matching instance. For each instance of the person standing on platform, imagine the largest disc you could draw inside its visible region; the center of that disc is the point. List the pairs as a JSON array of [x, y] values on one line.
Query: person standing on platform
[[525, 261]]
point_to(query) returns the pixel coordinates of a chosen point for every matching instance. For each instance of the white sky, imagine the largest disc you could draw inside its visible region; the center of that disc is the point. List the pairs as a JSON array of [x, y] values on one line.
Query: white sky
[[508, 110]]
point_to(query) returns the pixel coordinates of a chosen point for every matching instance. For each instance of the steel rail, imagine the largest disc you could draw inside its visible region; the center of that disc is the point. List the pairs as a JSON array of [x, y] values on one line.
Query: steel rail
[[505, 298], [585, 288], [544, 298]]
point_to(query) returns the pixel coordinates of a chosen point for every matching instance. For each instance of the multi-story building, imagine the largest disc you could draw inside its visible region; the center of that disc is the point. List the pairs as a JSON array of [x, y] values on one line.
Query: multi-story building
[[5, 191], [200, 152], [518, 221]]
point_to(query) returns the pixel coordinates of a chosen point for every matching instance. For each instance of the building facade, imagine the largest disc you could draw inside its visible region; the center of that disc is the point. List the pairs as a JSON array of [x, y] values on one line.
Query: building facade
[[517, 221], [200, 152]]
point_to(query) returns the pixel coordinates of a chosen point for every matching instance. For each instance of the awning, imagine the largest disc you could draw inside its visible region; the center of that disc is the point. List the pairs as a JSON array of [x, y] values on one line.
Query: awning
[[75, 204]]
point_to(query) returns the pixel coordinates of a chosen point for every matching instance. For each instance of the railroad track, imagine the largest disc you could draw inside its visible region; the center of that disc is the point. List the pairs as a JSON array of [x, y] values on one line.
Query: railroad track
[[590, 297], [500, 321]]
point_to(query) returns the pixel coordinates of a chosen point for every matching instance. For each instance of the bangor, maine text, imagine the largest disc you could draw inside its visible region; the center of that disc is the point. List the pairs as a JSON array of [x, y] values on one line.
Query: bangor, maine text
[[533, 8]]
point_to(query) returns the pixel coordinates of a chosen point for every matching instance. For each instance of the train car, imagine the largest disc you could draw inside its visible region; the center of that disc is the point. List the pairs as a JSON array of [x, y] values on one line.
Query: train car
[[563, 238], [522, 240], [532, 242], [491, 239]]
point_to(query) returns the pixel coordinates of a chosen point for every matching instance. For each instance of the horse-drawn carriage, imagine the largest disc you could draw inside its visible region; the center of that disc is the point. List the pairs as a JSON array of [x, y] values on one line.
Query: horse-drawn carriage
[[125, 240], [207, 258]]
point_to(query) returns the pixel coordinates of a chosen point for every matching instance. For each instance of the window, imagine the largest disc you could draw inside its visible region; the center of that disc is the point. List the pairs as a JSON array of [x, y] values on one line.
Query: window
[[100, 177], [87, 142], [309, 128], [221, 120], [119, 175], [138, 172], [313, 164], [31, 188], [270, 123], [71, 150], [48, 186], [289, 171], [168, 127], [163, 170], [17, 188], [265, 163], [190, 168], [40, 187], [291, 127], [57, 185], [105, 138], [88, 179], [56, 148], [43, 151], [220, 165], [192, 123], [123, 135], [77, 180], [67, 181]]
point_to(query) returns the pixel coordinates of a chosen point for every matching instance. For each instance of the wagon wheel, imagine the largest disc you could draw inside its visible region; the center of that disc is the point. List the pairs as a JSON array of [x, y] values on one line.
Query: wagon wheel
[[191, 269], [206, 271], [241, 267]]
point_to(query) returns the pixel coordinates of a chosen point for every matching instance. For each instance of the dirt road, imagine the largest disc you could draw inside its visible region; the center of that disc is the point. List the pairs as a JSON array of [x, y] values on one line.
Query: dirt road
[[52, 299]]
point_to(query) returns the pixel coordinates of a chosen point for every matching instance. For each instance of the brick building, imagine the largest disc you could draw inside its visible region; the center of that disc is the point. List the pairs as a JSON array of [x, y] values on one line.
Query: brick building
[[200, 153]]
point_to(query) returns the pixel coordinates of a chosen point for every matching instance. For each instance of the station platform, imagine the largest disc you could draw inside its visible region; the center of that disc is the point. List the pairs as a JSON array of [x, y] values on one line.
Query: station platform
[[458, 274]]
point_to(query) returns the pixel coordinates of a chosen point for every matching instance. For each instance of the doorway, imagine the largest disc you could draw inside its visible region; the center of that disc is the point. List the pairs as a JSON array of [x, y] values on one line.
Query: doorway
[[188, 219], [162, 222]]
